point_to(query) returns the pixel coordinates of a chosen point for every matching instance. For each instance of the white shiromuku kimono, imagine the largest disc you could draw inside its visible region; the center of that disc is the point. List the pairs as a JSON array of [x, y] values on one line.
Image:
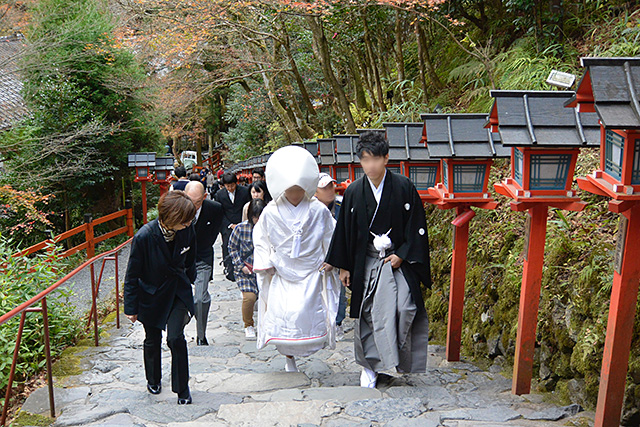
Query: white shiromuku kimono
[[298, 303]]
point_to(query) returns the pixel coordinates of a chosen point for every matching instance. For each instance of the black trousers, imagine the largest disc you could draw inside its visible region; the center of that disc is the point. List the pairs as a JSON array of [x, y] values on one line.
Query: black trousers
[[178, 319], [228, 263]]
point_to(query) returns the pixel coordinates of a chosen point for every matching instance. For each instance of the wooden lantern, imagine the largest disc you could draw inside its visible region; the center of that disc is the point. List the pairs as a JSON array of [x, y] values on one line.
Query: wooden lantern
[[346, 158], [162, 176], [610, 87], [406, 147], [143, 163], [545, 139], [327, 149], [467, 151]]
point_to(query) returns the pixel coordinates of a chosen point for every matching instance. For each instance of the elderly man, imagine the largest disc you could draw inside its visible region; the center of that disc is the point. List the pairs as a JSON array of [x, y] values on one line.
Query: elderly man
[[207, 226]]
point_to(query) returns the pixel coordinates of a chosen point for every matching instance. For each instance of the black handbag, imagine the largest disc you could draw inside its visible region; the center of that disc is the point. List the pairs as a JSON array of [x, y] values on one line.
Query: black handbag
[[227, 266]]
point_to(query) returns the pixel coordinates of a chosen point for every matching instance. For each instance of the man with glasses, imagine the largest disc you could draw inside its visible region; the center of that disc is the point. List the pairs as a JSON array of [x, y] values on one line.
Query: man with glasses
[[207, 226]]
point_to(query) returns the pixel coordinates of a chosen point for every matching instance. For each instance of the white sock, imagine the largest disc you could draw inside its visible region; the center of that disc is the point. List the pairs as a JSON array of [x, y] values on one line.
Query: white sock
[[290, 365], [368, 378]]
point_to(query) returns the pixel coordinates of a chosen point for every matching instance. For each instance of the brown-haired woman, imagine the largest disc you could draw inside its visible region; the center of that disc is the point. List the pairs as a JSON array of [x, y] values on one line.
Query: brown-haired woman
[[157, 288]]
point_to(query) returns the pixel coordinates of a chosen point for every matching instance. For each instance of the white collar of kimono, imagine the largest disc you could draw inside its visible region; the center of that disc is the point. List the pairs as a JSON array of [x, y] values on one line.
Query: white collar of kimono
[[377, 192], [381, 242], [294, 216]]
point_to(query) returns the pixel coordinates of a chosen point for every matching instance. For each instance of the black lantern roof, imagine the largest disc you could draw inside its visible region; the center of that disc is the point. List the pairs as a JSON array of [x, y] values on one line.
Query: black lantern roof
[[461, 136], [346, 148], [312, 148], [405, 141], [361, 131], [540, 119], [141, 160], [164, 163], [613, 85], [327, 148]]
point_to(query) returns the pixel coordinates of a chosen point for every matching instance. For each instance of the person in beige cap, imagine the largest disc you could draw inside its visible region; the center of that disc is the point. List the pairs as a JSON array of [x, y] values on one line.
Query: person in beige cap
[[326, 193]]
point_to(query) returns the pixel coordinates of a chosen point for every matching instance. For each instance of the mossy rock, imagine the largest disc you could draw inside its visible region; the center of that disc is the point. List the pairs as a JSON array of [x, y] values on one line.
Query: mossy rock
[[111, 317], [29, 419], [69, 362]]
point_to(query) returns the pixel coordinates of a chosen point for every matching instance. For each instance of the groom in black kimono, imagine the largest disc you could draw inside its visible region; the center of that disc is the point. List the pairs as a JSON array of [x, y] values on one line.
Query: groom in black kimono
[[381, 246]]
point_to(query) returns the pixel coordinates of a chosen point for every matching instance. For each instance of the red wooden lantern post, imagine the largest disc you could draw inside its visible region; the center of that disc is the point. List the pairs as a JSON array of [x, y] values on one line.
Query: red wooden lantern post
[[467, 151], [545, 138], [162, 176], [611, 87], [143, 162]]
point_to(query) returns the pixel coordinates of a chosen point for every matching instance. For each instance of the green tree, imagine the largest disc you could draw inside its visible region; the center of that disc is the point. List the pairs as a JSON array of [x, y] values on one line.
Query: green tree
[[90, 105]]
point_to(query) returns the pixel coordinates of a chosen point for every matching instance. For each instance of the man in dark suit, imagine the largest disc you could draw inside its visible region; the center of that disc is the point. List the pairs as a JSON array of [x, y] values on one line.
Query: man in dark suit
[[232, 198], [207, 226]]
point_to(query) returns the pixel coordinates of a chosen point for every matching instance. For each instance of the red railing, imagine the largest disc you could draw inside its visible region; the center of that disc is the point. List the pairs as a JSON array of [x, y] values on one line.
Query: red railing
[[41, 298], [90, 239]]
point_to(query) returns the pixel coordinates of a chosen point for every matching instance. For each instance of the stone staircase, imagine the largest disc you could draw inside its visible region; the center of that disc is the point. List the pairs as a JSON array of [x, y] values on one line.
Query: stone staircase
[[234, 384]]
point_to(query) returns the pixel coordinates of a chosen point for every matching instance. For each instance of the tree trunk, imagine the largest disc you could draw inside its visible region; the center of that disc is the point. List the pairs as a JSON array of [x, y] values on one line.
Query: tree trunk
[[282, 113], [292, 106], [367, 73], [372, 60], [174, 149], [199, 150], [421, 64], [305, 130], [296, 74], [324, 57], [361, 98], [435, 80], [399, 39]]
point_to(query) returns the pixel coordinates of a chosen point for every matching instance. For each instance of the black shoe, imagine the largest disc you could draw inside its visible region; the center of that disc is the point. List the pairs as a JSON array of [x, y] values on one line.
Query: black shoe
[[154, 389], [202, 341], [185, 400]]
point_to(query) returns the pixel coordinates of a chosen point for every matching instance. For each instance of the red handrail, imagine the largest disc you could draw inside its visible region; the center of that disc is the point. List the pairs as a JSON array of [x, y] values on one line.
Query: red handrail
[[27, 306], [90, 238], [5, 317]]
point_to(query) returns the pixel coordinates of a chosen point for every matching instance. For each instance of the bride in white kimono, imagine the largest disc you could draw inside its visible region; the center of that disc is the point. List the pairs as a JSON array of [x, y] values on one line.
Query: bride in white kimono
[[298, 291]]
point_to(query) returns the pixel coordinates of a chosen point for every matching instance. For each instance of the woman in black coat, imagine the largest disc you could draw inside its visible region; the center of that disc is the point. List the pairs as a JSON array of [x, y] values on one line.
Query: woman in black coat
[[157, 288]]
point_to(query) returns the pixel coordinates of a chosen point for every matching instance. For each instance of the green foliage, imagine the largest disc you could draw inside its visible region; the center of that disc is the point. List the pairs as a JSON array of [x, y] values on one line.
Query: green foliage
[[254, 127], [23, 278], [90, 106]]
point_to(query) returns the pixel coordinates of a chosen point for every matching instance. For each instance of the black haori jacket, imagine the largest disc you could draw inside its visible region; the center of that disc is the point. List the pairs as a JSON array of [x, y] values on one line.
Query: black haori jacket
[[155, 277], [402, 211]]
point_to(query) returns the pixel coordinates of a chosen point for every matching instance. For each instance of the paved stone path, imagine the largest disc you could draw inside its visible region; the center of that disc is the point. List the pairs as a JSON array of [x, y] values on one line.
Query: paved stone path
[[233, 384]]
